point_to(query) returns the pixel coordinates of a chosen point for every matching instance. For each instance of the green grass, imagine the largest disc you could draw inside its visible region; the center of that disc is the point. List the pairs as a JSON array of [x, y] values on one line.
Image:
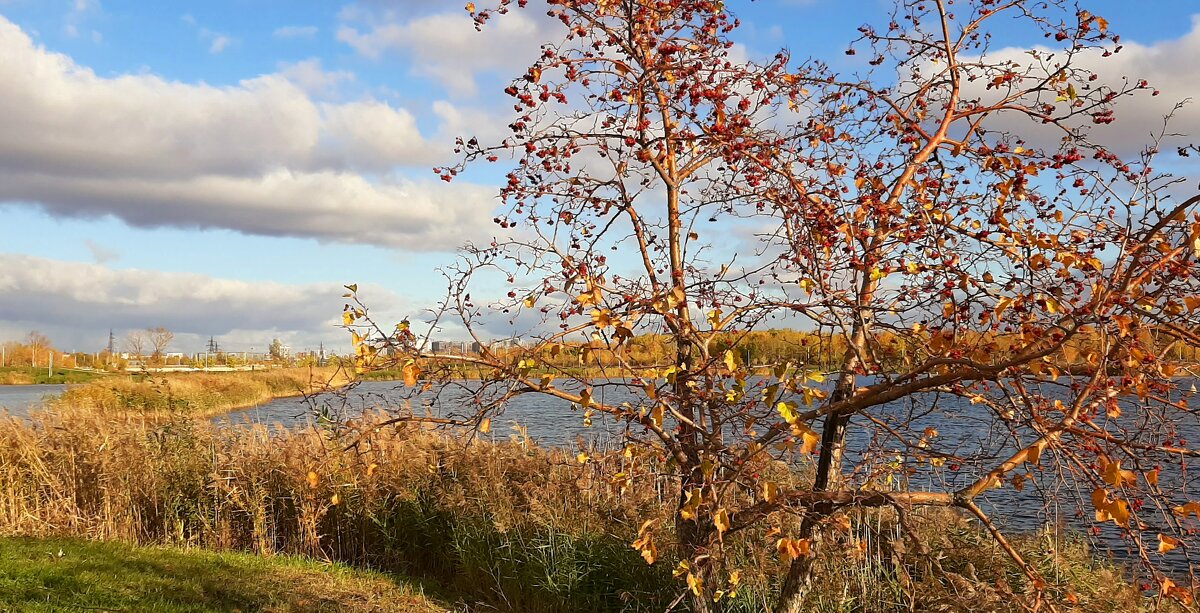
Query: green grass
[[79, 575], [24, 375]]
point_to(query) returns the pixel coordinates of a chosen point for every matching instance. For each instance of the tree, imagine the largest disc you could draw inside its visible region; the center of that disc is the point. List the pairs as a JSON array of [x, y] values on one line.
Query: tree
[[276, 350], [945, 223], [160, 338], [135, 343], [39, 347]]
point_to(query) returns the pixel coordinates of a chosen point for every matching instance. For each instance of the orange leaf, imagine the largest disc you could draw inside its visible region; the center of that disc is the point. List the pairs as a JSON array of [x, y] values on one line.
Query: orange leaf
[[1167, 543], [792, 549]]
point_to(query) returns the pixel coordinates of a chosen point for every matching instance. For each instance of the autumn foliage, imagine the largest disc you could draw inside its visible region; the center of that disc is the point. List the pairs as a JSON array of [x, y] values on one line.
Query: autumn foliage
[[945, 215]]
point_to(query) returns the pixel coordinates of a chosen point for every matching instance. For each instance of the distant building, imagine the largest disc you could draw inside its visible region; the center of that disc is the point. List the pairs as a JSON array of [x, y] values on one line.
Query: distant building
[[448, 347], [505, 343]]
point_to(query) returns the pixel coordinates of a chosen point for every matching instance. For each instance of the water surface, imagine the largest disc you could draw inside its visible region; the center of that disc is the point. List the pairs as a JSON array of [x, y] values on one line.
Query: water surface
[[19, 399]]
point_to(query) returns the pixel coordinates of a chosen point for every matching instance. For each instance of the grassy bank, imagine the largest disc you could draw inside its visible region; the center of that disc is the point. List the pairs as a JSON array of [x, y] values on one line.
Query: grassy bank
[[504, 526], [75, 575], [196, 394], [24, 375]]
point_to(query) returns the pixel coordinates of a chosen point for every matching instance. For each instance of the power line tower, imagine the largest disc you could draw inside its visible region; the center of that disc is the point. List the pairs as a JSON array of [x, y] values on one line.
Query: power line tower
[[112, 341], [213, 347]]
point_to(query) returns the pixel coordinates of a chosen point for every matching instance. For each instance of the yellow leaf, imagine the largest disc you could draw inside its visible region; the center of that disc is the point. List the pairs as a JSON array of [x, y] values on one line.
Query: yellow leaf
[[1001, 306], [348, 317], [645, 542], [1052, 305], [696, 584], [787, 410], [583, 457], [792, 549], [372, 468], [810, 442], [730, 361], [656, 414], [714, 319], [721, 521], [1114, 476], [1188, 509], [485, 426], [470, 7], [948, 310], [1167, 543], [770, 491], [602, 318], [691, 505], [335, 500], [807, 285], [313, 479]]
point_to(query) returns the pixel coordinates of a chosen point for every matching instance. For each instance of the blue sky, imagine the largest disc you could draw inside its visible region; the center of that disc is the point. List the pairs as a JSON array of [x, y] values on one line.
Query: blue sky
[[223, 167]]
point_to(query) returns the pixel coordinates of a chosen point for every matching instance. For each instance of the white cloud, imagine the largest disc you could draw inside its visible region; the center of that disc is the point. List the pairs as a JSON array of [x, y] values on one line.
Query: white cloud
[[295, 32], [260, 157], [38, 293], [445, 46], [310, 76], [80, 10], [1168, 66], [219, 43], [100, 253]]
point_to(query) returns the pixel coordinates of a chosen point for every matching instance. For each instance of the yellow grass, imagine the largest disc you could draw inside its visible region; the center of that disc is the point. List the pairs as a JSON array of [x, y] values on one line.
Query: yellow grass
[[198, 394]]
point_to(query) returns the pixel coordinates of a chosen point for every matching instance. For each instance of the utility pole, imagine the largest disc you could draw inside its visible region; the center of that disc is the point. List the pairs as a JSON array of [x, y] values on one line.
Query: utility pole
[[50, 368]]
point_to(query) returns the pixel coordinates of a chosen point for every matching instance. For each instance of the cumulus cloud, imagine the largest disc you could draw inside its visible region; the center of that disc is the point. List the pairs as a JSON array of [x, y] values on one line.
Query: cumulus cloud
[[1167, 65], [445, 46], [260, 157], [38, 293]]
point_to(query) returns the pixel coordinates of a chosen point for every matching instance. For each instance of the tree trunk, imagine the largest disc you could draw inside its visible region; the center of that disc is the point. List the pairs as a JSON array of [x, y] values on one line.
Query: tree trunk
[[829, 469]]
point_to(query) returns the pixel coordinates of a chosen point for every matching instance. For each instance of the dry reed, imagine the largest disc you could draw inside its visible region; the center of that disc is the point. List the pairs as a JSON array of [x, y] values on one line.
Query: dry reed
[[506, 524]]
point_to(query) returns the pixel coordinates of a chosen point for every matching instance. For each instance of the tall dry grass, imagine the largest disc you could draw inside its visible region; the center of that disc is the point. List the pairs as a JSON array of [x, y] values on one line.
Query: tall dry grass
[[199, 394], [508, 525]]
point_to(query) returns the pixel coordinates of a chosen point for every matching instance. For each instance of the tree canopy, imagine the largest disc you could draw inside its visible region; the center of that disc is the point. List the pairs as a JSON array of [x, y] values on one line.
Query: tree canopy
[[946, 216]]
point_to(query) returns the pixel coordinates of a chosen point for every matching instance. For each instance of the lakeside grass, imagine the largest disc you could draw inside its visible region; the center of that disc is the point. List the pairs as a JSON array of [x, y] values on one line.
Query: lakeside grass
[[62, 574], [25, 375], [197, 394], [503, 526]]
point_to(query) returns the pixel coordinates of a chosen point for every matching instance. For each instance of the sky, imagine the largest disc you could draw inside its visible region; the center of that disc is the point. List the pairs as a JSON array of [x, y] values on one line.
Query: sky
[[223, 168]]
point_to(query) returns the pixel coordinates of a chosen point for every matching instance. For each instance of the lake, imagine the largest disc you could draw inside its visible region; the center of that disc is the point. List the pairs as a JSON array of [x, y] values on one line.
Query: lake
[[19, 399]]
